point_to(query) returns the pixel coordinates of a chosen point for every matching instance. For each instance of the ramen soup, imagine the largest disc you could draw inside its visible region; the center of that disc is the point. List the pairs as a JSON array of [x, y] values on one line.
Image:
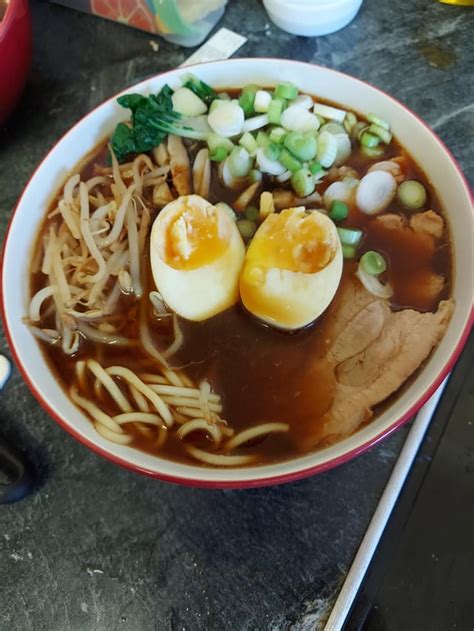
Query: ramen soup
[[240, 277]]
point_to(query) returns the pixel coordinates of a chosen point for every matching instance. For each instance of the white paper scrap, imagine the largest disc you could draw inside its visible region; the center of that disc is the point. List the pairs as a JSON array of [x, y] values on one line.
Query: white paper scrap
[[221, 45]]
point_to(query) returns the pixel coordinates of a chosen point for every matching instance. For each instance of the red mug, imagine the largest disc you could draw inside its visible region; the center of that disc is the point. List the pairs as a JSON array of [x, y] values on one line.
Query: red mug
[[15, 54]]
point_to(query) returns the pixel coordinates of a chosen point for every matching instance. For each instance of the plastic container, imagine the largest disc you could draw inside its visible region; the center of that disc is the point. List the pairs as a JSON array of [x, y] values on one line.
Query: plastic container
[[189, 22], [312, 17]]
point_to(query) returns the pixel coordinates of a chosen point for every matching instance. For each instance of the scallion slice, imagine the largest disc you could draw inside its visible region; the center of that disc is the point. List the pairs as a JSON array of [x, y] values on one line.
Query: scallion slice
[[219, 154], [239, 162], [302, 146], [289, 161], [255, 176], [412, 194], [349, 251], [251, 213], [278, 135], [272, 150], [303, 183], [274, 111], [247, 102], [246, 228], [350, 236], [286, 90], [339, 210], [373, 263], [247, 141], [369, 140], [384, 135], [372, 118]]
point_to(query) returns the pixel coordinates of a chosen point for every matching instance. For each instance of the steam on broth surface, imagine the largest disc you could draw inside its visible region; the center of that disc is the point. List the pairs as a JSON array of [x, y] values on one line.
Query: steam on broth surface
[[245, 294]]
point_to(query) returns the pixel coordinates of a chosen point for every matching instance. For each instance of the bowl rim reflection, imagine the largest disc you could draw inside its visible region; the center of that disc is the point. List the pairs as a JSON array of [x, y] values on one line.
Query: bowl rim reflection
[[445, 365]]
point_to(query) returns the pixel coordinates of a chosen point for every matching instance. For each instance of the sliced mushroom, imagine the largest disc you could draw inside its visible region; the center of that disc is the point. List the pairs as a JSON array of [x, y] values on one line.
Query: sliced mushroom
[[162, 195], [202, 173], [244, 199], [180, 165]]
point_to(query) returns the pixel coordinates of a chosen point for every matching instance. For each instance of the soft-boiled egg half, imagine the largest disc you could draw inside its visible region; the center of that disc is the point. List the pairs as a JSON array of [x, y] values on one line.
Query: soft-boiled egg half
[[196, 255], [292, 268]]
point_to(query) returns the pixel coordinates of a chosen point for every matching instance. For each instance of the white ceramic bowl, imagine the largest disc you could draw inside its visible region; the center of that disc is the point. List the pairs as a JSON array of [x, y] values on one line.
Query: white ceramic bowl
[[422, 143]]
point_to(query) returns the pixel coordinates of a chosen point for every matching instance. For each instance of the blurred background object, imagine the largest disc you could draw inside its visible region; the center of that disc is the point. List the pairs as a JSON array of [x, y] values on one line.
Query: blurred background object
[[312, 17], [459, 3], [180, 21], [15, 52]]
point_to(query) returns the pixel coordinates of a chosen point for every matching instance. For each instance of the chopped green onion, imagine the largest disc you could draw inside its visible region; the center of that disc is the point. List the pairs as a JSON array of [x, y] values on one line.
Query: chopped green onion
[[214, 141], [332, 113], [373, 263], [274, 111], [215, 104], [327, 149], [251, 213], [263, 139], [262, 101], [316, 168], [278, 134], [350, 121], [339, 210], [349, 251], [246, 228], [412, 194], [332, 128], [219, 154], [286, 90], [255, 176], [289, 161], [223, 96], [369, 140], [272, 150], [349, 236], [239, 162], [358, 130], [378, 121], [384, 135], [247, 102], [373, 152], [302, 182], [302, 146], [247, 141]]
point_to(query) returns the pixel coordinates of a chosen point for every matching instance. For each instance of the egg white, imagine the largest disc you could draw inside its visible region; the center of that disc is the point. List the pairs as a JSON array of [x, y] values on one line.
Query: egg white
[[296, 298], [199, 293]]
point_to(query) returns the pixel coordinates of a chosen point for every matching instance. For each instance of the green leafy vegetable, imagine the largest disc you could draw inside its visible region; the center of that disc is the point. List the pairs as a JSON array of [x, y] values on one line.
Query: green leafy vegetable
[[201, 89]]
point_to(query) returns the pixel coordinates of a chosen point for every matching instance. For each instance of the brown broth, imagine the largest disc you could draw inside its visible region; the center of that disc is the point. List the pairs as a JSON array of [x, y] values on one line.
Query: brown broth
[[261, 373]]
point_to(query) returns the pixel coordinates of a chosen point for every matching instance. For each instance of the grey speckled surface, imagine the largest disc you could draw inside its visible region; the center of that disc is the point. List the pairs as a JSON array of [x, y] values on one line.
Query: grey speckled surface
[[98, 548]]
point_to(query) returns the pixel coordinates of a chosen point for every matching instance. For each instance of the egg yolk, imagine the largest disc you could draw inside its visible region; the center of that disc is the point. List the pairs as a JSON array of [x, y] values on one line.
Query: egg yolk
[[291, 240], [294, 241], [194, 237]]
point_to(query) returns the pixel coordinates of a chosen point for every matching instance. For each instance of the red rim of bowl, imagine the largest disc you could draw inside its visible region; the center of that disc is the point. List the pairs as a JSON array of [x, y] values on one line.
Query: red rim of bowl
[[275, 479]]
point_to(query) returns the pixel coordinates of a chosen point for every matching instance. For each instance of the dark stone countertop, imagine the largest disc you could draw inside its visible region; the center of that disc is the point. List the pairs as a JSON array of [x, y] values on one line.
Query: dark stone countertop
[[98, 548]]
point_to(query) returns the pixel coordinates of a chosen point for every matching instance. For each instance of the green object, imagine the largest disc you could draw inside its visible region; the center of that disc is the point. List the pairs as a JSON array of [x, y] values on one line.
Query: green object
[[289, 161], [239, 162], [332, 128], [378, 121], [247, 228], [369, 140], [274, 111], [277, 135], [339, 211], [349, 121], [170, 16], [255, 176], [219, 154], [302, 146], [286, 90], [248, 142], [349, 236], [349, 251], [384, 135], [251, 213], [316, 168], [412, 194], [153, 119], [272, 151], [214, 141], [201, 89], [302, 182], [251, 87], [373, 263], [262, 139], [247, 102]]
